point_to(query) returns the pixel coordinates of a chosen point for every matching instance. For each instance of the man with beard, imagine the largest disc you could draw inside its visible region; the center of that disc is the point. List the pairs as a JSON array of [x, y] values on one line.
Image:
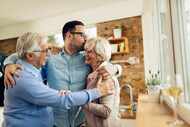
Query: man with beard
[[68, 71], [65, 71]]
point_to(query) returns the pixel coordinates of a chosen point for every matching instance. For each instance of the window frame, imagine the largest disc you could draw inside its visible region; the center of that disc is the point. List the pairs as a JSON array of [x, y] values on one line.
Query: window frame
[[181, 45]]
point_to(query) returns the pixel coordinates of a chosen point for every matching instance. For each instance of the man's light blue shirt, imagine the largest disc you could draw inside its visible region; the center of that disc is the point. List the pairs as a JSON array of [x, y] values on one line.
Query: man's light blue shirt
[[26, 104], [67, 72]]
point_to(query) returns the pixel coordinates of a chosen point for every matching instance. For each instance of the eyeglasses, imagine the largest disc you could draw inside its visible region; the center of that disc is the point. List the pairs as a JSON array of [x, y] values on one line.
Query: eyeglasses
[[80, 33], [44, 51]]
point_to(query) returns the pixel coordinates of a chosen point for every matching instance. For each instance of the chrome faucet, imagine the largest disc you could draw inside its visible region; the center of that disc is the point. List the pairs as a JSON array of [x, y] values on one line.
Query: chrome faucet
[[129, 91]]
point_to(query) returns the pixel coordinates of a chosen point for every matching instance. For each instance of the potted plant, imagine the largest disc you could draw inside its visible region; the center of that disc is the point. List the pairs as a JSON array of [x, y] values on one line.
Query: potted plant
[[117, 32], [153, 82]]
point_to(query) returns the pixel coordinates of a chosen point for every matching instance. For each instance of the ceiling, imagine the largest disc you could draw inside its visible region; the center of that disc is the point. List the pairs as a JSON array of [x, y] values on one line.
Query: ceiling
[[18, 11]]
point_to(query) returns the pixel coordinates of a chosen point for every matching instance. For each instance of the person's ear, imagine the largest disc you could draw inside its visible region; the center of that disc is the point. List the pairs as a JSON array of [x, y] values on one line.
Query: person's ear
[[68, 35], [29, 56]]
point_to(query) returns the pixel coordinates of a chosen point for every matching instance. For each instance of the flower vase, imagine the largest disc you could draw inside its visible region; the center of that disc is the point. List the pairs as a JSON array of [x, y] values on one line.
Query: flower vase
[[153, 89]]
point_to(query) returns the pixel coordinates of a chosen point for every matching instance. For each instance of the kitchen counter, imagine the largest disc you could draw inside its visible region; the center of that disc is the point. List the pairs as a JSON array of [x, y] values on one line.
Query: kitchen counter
[[152, 114]]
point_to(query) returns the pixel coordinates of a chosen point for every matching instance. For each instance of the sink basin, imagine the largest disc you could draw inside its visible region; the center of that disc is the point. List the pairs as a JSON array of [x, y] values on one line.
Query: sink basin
[[126, 112]]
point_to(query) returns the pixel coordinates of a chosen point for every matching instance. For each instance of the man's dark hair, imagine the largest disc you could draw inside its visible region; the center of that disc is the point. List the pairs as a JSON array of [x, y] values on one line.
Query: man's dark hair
[[70, 26]]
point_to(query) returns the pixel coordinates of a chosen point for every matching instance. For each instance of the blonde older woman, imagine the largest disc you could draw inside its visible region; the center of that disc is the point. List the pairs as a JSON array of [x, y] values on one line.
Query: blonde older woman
[[104, 111]]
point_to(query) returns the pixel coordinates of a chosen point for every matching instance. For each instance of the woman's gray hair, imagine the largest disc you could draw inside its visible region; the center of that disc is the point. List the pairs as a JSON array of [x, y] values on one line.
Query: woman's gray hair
[[101, 46], [28, 42]]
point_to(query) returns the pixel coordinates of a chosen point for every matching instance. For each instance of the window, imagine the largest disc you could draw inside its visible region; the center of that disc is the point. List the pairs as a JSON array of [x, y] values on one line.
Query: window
[[165, 40], [180, 12], [186, 16], [174, 41], [59, 39], [91, 31]]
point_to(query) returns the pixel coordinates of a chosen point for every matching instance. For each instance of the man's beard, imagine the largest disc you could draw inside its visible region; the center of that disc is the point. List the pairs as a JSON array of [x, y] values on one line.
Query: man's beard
[[81, 48], [78, 48]]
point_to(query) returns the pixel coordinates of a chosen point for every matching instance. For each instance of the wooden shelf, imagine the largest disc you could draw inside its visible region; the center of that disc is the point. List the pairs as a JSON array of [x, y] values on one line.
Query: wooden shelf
[[118, 42], [119, 53], [119, 61]]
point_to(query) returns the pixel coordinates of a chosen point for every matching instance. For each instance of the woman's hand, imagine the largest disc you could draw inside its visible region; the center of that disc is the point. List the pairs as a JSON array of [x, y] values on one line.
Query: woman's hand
[[105, 87], [104, 73]]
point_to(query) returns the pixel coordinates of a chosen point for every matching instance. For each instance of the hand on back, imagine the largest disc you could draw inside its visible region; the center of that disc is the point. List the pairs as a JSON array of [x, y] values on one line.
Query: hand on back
[[10, 70]]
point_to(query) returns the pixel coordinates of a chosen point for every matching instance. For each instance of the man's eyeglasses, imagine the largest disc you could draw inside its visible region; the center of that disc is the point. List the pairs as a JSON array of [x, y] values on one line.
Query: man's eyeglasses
[[79, 33]]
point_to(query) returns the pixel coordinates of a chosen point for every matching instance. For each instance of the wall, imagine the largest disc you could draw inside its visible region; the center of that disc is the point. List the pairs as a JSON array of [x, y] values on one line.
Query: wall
[[133, 74], [54, 24], [8, 46]]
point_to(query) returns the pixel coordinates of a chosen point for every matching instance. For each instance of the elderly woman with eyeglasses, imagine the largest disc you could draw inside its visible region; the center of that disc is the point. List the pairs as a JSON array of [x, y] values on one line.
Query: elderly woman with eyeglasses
[[102, 112]]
